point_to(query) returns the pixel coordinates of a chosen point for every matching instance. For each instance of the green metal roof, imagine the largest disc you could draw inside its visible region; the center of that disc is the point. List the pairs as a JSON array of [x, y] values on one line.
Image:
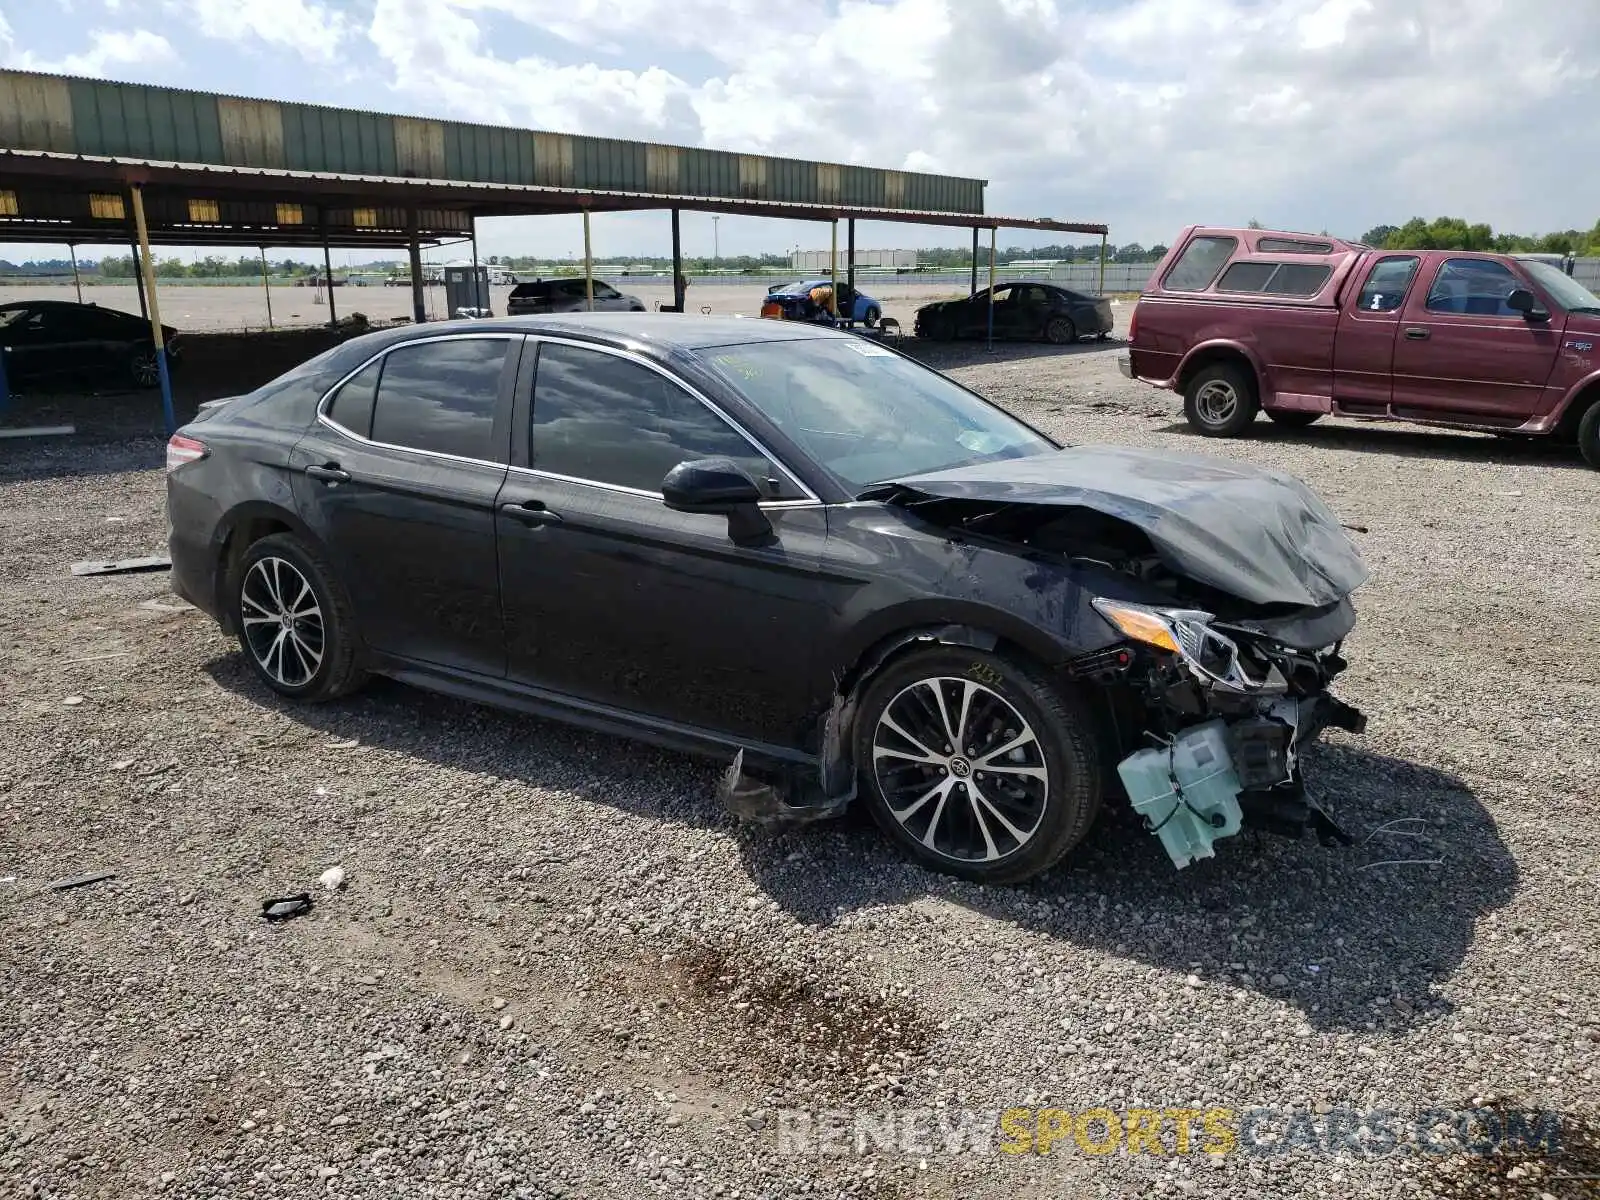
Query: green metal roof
[[67, 115]]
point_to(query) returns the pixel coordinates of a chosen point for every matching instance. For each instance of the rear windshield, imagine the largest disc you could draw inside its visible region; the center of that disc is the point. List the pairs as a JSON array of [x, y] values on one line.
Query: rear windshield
[[1275, 279], [1199, 263], [530, 291]]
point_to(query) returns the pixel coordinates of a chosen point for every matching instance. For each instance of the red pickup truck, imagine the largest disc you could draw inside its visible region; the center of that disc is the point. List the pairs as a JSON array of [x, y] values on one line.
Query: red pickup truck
[[1296, 326]]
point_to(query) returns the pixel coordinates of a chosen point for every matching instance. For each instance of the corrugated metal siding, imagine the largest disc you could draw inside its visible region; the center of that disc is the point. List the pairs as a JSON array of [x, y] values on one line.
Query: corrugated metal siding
[[144, 122], [251, 132], [42, 112], [35, 113], [338, 139]]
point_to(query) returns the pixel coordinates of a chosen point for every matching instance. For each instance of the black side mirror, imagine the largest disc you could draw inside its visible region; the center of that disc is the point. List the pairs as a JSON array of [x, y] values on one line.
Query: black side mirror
[[719, 485], [1525, 302]]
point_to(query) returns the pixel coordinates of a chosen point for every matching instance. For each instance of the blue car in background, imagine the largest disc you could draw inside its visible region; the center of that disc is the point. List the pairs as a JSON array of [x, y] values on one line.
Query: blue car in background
[[795, 300]]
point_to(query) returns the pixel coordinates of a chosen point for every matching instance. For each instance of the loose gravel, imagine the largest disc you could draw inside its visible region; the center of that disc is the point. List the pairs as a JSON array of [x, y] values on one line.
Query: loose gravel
[[553, 966]]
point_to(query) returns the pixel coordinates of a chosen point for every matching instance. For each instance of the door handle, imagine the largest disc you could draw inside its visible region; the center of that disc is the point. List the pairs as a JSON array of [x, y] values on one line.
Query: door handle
[[531, 512], [1417, 334], [329, 473]]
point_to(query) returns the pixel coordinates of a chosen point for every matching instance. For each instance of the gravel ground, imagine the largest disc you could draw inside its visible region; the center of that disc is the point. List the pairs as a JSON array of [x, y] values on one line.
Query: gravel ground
[[557, 969]]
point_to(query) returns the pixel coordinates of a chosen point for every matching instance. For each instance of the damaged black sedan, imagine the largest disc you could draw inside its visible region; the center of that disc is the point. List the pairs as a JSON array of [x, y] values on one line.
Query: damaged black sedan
[[792, 549]]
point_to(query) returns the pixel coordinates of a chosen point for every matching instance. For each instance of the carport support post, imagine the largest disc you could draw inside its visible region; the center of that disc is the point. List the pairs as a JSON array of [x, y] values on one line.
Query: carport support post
[[419, 310], [76, 282], [973, 290], [138, 279], [993, 230], [833, 270], [850, 261], [1102, 264], [266, 285], [478, 298], [588, 263], [155, 309], [327, 266], [677, 263]]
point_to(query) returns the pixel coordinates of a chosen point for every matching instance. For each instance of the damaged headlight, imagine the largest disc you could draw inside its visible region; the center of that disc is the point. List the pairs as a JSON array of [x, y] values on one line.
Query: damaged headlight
[[1187, 632]]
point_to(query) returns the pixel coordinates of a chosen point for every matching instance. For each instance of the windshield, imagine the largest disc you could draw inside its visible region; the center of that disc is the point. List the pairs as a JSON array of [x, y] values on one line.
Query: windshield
[[865, 413], [1562, 288]]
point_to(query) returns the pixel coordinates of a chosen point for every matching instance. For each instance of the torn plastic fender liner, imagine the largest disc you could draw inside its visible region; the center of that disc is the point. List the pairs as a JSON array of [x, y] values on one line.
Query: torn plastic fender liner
[[791, 799]]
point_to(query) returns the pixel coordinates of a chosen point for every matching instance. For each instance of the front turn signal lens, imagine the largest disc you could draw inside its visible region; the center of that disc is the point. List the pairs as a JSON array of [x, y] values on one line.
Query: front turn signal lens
[[1140, 624]]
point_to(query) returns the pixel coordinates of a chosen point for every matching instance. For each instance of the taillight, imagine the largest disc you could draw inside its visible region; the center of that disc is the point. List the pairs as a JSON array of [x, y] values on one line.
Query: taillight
[[181, 450]]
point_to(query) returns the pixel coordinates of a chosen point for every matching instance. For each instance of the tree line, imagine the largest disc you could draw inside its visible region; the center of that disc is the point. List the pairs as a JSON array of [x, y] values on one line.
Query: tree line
[[1454, 233]]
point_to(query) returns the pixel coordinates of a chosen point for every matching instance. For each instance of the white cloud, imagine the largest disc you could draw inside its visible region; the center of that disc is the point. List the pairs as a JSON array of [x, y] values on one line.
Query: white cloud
[[108, 48], [312, 30]]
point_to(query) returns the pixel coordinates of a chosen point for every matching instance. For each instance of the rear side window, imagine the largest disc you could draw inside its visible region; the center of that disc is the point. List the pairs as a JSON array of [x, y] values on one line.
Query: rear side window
[[1474, 287], [1275, 279], [1387, 285], [441, 396], [352, 404], [530, 291], [1199, 263], [603, 419]]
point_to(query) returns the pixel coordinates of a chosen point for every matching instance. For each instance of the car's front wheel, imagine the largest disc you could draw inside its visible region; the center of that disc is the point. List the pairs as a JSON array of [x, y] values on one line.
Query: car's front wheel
[[939, 327], [294, 621], [870, 318], [977, 765], [1589, 436], [1220, 400], [144, 368]]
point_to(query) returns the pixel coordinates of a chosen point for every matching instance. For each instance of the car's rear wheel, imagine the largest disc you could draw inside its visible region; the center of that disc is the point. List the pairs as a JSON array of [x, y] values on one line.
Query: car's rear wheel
[[977, 765], [1220, 400], [294, 621], [1589, 436], [870, 318], [1060, 331], [1291, 419], [144, 368]]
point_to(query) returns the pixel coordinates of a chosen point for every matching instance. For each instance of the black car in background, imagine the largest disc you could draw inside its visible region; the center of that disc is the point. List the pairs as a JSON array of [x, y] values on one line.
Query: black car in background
[[772, 543], [1023, 310], [52, 340], [567, 295]]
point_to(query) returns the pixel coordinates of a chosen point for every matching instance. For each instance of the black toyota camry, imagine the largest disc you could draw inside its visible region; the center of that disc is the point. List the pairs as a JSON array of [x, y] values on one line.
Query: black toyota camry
[[790, 548]]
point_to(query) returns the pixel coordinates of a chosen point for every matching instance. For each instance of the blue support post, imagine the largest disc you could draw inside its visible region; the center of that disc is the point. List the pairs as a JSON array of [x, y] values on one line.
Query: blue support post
[[5, 387], [992, 232]]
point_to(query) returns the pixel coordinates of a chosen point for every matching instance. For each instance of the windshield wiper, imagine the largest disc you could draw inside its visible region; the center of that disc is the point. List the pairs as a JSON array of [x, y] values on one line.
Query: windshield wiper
[[1586, 308]]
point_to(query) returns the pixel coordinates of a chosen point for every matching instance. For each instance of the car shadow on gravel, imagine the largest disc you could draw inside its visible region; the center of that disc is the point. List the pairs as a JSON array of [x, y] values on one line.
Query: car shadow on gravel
[[944, 355], [1380, 437], [1350, 936]]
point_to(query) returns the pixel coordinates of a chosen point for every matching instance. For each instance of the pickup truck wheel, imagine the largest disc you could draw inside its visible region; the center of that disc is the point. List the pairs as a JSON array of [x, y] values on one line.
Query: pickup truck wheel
[[1290, 419], [1589, 436], [1220, 400]]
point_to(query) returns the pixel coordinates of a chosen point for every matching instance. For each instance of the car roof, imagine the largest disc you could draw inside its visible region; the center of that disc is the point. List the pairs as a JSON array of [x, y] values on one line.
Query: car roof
[[661, 332]]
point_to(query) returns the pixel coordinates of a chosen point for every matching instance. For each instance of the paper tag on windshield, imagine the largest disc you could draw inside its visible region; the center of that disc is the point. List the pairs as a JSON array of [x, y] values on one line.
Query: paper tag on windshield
[[871, 351]]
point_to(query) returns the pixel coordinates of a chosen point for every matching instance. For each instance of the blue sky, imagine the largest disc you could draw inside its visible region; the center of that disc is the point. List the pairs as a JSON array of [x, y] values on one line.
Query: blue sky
[[1146, 114]]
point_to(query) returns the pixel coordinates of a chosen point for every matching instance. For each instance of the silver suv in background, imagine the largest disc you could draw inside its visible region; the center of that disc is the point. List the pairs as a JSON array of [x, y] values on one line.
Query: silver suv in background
[[568, 295]]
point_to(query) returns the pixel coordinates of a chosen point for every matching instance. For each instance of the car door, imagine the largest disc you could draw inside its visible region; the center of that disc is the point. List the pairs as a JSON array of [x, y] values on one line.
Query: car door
[[398, 477], [1363, 347], [41, 343], [1463, 351], [613, 599], [1029, 310], [975, 314]]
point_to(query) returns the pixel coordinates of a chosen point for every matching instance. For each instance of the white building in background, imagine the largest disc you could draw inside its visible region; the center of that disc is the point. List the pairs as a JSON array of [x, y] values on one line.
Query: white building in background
[[811, 261]]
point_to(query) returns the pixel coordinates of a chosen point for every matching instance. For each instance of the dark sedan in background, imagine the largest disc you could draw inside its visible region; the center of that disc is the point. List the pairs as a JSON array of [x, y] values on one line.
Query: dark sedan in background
[[782, 545], [1024, 310], [53, 340]]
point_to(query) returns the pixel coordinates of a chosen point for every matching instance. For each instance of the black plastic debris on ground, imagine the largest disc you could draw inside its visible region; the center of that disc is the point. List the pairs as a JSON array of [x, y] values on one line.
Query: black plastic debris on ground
[[286, 908], [123, 566], [77, 881]]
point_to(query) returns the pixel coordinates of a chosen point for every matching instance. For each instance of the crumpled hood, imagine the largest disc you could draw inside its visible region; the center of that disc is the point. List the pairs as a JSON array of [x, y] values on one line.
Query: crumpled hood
[[1260, 535]]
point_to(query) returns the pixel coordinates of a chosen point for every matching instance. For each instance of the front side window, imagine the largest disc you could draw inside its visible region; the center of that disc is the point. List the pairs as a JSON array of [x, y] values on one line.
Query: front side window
[[441, 396], [1198, 265], [1474, 287], [867, 414], [1387, 284], [605, 419]]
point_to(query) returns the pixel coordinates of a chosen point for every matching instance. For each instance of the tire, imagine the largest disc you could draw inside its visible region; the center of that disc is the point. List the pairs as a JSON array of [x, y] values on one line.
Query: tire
[[1589, 436], [937, 822], [870, 318], [144, 368], [1290, 419], [318, 661], [1220, 401], [1060, 331]]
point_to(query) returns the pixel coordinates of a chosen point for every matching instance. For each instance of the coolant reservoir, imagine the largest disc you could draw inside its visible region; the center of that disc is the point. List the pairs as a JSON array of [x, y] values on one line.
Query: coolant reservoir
[[1187, 792]]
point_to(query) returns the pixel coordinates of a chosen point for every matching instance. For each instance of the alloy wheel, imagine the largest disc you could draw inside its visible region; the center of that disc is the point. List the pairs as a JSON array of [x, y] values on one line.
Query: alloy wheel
[[1216, 401], [960, 769], [146, 371], [283, 622]]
